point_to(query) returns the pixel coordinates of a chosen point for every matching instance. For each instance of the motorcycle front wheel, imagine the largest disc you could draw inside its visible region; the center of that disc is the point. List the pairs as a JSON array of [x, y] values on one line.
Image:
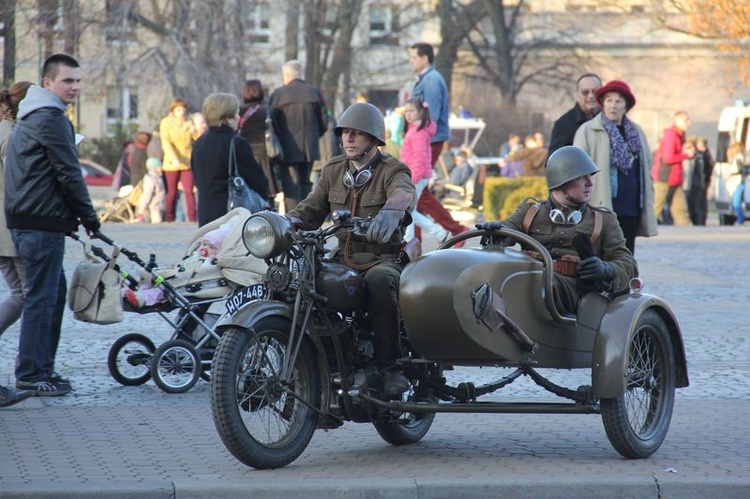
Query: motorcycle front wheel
[[263, 420]]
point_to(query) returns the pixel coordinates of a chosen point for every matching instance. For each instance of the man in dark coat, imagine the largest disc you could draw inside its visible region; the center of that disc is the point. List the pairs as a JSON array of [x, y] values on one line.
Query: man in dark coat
[[298, 112], [586, 107]]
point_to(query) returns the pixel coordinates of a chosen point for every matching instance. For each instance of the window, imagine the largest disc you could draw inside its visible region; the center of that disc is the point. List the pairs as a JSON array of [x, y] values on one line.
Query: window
[[122, 105], [258, 24], [383, 25]]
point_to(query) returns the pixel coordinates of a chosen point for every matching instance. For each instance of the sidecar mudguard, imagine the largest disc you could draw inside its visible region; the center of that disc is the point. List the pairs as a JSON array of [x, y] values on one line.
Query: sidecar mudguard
[[616, 330]]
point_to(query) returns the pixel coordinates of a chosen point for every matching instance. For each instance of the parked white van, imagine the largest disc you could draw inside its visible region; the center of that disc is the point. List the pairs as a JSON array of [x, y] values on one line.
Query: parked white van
[[734, 126]]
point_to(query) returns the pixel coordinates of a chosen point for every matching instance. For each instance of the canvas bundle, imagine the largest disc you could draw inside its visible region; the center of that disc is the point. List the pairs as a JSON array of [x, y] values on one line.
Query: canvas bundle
[[94, 294]]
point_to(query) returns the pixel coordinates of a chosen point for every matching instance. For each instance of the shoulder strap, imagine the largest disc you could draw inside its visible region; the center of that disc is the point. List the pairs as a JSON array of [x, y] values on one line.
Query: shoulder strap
[[530, 217], [250, 111], [232, 158], [597, 226]]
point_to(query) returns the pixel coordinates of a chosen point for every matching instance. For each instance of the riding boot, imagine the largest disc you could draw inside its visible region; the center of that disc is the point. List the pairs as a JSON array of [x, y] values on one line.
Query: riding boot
[[382, 283]]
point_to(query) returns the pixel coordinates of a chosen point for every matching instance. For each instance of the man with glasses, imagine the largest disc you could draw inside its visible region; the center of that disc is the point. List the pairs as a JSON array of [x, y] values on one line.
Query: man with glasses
[[369, 184], [585, 108], [586, 243]]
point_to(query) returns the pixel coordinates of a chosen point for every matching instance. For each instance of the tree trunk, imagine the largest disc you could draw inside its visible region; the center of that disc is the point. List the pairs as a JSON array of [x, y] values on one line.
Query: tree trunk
[[9, 46], [292, 28], [348, 10]]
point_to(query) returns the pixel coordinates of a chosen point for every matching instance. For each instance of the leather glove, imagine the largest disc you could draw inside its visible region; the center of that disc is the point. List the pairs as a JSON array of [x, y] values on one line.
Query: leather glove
[[92, 225], [384, 225], [595, 269], [490, 225]]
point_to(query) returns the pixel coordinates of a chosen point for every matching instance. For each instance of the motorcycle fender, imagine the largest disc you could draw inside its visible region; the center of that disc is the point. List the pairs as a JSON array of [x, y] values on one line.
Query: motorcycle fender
[[253, 312], [616, 330]]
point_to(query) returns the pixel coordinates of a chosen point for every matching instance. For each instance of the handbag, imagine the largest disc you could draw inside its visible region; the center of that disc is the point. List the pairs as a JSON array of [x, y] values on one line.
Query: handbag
[[94, 294], [239, 194], [273, 144]]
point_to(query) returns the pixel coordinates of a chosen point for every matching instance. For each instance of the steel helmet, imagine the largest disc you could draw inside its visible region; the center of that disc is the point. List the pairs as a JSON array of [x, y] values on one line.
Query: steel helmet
[[566, 164], [364, 117]]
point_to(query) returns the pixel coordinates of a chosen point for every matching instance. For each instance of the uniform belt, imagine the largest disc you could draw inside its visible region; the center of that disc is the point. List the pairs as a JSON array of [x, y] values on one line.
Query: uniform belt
[[566, 266], [377, 249]]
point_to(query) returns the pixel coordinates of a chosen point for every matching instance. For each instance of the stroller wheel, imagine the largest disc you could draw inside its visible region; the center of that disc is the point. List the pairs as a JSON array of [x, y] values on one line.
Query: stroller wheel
[[176, 366], [129, 359]]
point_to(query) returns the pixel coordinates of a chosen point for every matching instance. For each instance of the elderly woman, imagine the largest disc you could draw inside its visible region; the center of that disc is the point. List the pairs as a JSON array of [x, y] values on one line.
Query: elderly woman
[[210, 158], [620, 150]]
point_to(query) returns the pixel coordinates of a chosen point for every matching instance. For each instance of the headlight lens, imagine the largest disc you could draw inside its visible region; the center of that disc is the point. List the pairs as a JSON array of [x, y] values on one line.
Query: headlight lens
[[265, 234]]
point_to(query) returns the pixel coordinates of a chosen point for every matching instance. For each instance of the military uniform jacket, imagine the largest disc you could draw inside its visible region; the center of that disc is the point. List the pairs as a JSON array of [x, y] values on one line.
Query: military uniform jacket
[[389, 186], [558, 239]]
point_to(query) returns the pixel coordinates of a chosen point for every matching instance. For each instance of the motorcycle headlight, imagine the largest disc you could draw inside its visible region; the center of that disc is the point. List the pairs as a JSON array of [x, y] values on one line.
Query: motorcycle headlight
[[266, 234]]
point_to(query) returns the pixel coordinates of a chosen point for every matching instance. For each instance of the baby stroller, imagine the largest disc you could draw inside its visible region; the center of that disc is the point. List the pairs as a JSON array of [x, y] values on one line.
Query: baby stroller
[[190, 288]]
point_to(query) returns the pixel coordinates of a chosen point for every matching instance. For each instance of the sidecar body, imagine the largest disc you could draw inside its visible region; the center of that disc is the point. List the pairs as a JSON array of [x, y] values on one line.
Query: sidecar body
[[492, 306]]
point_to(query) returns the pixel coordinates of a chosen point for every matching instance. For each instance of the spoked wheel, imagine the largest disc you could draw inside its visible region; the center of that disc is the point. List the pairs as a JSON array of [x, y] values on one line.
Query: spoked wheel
[[407, 428], [637, 422], [129, 359], [264, 421], [176, 366]]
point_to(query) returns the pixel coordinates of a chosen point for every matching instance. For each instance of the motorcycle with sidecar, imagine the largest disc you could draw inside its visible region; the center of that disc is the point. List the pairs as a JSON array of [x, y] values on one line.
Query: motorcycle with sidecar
[[301, 358]]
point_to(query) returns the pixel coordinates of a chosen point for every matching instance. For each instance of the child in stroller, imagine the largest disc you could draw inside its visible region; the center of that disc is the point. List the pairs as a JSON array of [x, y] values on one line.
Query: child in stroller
[[215, 266]]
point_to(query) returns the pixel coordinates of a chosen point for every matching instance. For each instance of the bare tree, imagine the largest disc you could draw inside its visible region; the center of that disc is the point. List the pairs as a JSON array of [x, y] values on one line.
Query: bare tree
[[519, 48], [8, 17], [457, 20], [727, 22]]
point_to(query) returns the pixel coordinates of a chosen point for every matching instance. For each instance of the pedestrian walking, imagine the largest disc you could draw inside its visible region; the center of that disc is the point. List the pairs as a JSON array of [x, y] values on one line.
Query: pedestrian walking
[[298, 113], [49, 198]]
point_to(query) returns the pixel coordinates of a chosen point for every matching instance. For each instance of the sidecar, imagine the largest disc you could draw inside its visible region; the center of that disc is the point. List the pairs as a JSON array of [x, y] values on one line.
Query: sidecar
[[493, 306]]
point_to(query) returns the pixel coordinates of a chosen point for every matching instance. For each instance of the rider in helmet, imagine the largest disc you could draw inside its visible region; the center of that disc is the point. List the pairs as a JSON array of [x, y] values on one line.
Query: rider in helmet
[[370, 185], [585, 242]]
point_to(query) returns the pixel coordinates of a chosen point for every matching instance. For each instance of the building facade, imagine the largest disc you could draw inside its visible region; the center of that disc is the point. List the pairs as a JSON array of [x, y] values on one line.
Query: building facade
[[137, 55]]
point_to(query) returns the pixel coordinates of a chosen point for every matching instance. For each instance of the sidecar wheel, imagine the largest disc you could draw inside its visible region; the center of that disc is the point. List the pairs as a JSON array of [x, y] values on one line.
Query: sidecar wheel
[[264, 422], [129, 358], [176, 366], [409, 428], [637, 422]]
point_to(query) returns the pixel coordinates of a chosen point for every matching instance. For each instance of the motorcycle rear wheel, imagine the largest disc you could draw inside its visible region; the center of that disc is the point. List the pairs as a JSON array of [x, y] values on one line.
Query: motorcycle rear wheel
[[409, 428], [637, 422], [264, 422]]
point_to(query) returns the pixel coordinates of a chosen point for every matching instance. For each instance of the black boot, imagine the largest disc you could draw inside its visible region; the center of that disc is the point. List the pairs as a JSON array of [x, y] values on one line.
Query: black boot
[[10, 397], [394, 382]]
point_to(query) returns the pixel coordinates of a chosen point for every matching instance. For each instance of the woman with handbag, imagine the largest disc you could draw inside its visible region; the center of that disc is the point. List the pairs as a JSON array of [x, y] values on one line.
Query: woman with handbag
[[252, 127], [212, 155]]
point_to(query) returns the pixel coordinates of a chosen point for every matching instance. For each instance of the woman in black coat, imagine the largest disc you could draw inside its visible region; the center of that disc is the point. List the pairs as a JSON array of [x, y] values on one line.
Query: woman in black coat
[[252, 126], [210, 158]]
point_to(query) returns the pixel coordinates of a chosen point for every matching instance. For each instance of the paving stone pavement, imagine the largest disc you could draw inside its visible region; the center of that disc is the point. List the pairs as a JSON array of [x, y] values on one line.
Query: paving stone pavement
[[107, 440]]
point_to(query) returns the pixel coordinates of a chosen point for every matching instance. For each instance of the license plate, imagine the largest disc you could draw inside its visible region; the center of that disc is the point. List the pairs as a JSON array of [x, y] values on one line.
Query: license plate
[[243, 296]]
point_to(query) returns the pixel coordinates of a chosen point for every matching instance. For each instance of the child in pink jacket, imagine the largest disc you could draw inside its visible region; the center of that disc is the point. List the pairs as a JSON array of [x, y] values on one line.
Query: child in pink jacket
[[416, 154]]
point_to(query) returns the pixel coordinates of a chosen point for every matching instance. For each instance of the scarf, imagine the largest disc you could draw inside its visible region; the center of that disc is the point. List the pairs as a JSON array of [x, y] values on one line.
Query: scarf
[[622, 151]]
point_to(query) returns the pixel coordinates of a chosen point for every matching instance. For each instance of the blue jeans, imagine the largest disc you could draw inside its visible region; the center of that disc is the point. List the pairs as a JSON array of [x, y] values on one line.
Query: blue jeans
[[42, 254], [737, 198]]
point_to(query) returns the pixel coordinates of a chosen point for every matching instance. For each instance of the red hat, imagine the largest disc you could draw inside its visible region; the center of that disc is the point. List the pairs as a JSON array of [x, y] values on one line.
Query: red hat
[[620, 87]]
